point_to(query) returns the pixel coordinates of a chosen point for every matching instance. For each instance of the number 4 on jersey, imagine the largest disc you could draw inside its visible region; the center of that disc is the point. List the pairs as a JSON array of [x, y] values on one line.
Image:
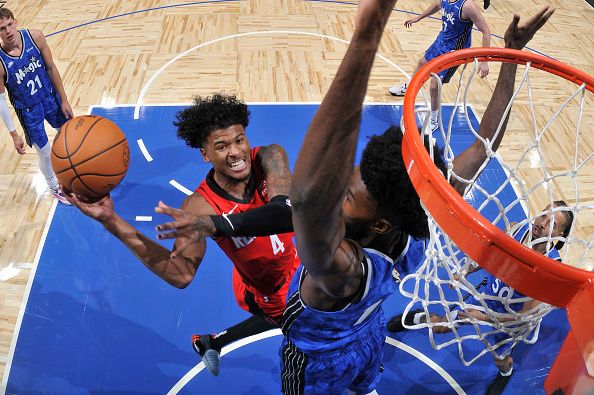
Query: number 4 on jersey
[[277, 245]]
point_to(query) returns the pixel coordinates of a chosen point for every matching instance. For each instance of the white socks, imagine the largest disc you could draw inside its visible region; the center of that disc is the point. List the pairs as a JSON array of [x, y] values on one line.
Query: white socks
[[508, 373], [45, 165]]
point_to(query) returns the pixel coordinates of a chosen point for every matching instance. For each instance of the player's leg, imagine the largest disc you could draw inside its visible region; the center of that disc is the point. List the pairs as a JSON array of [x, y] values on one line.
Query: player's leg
[[416, 317], [52, 107], [506, 369], [31, 120], [209, 346], [54, 116], [433, 51], [400, 90], [434, 93], [369, 357], [445, 76], [354, 366]]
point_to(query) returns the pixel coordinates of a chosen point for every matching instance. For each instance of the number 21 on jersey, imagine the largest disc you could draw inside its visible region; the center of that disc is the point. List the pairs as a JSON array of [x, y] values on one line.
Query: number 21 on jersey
[[31, 84]]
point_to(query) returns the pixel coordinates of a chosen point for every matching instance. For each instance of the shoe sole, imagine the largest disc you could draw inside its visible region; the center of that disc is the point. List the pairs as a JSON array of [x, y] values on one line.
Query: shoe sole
[[213, 368]]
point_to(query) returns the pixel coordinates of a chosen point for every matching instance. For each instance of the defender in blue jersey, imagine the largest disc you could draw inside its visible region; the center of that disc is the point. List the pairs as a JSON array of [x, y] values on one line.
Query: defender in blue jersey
[[349, 221], [498, 296], [457, 19], [35, 90]]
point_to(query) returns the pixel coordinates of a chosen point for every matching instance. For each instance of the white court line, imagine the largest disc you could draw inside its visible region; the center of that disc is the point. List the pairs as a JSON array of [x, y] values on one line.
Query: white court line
[[226, 350], [144, 151], [180, 187], [144, 218], [17, 327], [277, 332], [25, 300], [262, 32], [429, 362]]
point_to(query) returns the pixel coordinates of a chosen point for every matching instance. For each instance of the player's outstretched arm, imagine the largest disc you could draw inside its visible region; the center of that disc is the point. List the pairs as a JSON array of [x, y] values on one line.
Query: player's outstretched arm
[[326, 158], [178, 271], [52, 71], [516, 37], [432, 9], [472, 12], [271, 219]]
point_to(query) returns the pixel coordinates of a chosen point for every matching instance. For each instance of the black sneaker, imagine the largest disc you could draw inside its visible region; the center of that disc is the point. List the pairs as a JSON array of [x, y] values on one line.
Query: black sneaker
[[486, 4], [498, 385], [211, 357], [395, 324]]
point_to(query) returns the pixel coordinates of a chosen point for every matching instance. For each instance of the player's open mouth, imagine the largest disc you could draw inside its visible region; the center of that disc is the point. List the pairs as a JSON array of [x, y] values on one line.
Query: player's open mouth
[[238, 165]]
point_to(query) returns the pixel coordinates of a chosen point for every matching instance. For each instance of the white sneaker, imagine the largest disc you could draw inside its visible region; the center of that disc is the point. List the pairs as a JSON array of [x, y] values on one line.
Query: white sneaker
[[399, 90], [58, 194]]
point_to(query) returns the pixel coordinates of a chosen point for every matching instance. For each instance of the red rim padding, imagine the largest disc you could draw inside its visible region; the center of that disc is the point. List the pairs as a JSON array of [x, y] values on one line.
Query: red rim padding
[[515, 264]]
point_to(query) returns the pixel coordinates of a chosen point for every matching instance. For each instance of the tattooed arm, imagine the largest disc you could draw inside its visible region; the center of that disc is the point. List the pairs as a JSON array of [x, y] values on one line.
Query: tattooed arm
[[275, 164]]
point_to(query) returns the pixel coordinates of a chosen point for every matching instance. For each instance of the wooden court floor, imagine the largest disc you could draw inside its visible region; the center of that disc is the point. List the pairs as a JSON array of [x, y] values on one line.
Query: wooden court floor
[[117, 52]]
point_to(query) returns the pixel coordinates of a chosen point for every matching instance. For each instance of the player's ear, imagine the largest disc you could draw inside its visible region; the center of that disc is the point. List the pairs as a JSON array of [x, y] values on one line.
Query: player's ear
[[204, 155], [381, 226]]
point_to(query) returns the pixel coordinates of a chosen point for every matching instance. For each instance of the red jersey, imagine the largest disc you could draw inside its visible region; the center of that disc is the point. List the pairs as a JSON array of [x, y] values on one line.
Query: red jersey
[[264, 261]]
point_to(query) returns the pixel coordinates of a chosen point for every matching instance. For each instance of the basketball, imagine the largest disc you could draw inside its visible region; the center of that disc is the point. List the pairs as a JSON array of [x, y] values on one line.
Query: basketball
[[90, 156]]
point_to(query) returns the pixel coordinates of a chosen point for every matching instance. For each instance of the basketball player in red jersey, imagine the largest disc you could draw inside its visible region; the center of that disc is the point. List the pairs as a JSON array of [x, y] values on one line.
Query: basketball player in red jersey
[[242, 179]]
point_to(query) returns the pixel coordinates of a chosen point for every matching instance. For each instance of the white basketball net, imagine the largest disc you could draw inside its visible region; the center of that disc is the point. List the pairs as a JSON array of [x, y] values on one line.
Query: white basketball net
[[440, 286]]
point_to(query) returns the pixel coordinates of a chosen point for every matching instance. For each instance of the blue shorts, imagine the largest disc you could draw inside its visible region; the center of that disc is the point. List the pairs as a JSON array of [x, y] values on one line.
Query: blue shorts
[[32, 118], [355, 367], [439, 48]]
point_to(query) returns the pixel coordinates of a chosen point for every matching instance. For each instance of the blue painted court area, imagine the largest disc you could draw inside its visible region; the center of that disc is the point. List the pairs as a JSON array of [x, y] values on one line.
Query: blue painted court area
[[97, 321]]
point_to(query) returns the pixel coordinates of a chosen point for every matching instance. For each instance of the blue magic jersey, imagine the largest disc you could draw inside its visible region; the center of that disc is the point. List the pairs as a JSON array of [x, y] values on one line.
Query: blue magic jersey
[[498, 289], [313, 330], [26, 79], [455, 31]]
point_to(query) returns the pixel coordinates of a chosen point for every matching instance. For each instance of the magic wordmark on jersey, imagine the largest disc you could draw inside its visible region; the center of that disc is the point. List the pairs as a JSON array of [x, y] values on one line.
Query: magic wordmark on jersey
[[20, 74]]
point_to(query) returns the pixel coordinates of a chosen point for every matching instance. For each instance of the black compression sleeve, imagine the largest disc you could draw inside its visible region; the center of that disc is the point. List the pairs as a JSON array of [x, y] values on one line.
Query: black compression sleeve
[[270, 219]]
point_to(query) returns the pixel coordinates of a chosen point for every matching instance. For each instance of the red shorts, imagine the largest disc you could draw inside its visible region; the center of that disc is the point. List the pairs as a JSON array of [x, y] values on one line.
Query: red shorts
[[270, 307]]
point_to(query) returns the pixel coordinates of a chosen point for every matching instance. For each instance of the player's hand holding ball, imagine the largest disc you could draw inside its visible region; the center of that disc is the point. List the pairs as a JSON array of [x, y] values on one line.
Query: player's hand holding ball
[[90, 157]]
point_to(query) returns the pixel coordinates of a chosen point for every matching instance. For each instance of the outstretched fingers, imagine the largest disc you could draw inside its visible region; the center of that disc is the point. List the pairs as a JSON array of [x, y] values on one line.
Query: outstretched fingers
[[162, 208], [168, 235], [534, 23], [72, 198]]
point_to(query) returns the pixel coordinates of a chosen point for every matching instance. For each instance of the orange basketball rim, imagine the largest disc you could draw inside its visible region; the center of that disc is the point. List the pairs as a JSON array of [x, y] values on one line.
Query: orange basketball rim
[[522, 268]]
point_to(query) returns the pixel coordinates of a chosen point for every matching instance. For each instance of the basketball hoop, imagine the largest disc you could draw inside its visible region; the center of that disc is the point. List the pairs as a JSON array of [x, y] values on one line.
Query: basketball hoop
[[457, 226]]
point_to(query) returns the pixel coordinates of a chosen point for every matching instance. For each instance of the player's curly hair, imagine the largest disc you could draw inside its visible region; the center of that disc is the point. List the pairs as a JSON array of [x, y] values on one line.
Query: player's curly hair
[[207, 114], [384, 174]]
